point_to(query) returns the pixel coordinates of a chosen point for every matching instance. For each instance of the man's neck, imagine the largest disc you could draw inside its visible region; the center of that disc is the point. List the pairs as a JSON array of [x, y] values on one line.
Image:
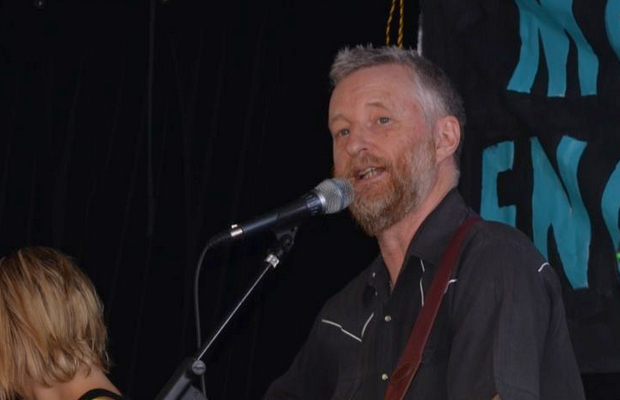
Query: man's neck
[[76, 387], [394, 241]]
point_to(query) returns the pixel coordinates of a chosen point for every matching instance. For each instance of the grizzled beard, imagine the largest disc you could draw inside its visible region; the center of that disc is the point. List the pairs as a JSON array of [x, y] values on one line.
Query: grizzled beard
[[408, 183]]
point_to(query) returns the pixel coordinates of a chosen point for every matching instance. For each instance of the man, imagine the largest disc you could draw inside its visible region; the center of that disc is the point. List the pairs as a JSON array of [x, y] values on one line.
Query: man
[[500, 333]]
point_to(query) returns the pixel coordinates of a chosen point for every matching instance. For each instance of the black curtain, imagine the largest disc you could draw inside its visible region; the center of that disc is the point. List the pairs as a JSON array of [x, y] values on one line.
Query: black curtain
[[134, 130]]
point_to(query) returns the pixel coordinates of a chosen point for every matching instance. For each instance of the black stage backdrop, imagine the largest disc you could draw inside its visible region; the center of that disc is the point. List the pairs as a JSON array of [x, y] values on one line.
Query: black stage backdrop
[[131, 131], [542, 150], [238, 111]]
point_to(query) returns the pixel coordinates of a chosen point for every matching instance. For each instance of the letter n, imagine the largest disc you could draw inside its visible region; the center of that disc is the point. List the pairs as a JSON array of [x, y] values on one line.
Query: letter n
[[557, 204]]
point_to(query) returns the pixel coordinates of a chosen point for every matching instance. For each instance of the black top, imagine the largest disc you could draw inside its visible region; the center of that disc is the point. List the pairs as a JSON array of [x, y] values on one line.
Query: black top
[[95, 394], [501, 327]]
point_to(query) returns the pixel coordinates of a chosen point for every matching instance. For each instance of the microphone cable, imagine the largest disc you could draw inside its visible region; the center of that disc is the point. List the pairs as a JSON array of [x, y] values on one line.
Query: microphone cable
[[208, 246]]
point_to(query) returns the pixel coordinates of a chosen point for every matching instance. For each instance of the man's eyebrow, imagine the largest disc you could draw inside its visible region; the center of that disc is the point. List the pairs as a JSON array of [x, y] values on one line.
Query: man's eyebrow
[[335, 118], [378, 104]]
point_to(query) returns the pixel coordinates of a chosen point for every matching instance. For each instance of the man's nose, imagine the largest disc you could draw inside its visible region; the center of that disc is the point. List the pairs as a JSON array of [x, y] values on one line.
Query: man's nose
[[358, 141]]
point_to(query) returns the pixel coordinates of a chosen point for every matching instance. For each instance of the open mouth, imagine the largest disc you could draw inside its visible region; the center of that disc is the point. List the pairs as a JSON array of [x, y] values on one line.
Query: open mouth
[[368, 173]]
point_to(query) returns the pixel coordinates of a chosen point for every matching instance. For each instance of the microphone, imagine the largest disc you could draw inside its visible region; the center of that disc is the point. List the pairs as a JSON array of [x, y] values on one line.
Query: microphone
[[328, 197]]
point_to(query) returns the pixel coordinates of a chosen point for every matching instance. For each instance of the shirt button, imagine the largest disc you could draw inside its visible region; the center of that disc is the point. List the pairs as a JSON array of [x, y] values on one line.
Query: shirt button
[[387, 318], [384, 377]]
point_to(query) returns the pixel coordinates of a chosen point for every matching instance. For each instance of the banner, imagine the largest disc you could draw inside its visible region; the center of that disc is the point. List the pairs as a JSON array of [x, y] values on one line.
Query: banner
[[541, 83]]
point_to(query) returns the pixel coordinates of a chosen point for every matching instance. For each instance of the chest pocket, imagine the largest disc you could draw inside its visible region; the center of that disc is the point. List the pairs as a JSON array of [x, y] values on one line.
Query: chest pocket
[[344, 389]]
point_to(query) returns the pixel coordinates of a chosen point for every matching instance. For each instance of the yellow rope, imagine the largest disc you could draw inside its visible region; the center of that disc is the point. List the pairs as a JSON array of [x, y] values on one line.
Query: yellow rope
[[389, 23], [401, 23]]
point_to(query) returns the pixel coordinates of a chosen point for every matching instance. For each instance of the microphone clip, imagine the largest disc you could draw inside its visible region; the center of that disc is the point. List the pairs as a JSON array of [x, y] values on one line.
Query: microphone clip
[[285, 239]]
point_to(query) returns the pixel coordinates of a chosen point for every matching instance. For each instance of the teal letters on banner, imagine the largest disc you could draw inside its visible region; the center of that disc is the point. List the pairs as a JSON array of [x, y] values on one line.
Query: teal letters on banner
[[610, 205], [551, 21], [553, 207], [556, 202], [612, 24], [496, 159]]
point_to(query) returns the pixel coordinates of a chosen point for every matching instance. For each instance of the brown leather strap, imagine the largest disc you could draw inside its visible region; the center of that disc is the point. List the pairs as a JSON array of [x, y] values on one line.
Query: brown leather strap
[[411, 357]]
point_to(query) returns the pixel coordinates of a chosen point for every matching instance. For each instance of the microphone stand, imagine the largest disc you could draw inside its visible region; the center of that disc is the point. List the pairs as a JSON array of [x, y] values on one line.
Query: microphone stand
[[179, 386]]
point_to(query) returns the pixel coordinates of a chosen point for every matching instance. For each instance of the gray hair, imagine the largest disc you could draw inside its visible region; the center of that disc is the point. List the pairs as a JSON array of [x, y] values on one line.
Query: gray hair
[[435, 91]]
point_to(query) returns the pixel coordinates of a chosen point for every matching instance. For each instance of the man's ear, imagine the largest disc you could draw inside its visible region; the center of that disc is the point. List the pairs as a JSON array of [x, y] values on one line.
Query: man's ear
[[447, 132]]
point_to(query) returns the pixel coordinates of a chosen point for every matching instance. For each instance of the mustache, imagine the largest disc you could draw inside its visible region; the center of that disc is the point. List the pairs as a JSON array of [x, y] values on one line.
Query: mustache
[[359, 163]]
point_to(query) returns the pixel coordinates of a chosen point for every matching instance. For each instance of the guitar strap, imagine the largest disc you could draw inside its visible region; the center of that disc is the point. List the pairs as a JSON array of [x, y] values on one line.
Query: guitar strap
[[411, 357]]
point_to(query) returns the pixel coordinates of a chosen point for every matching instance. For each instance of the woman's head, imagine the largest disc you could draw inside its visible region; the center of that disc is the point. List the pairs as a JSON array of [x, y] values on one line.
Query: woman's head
[[51, 322]]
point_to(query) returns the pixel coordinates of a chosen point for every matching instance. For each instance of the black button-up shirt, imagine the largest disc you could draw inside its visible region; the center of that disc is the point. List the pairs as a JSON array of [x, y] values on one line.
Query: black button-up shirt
[[500, 329]]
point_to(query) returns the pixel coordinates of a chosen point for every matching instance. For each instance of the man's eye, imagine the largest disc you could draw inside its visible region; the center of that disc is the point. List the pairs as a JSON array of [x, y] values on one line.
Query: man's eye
[[343, 132], [383, 120]]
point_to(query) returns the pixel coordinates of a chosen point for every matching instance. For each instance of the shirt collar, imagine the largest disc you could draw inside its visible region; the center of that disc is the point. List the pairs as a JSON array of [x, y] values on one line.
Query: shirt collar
[[431, 239], [435, 233]]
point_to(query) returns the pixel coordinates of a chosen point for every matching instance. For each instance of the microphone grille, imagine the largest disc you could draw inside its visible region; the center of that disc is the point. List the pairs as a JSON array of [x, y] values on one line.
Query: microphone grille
[[338, 194]]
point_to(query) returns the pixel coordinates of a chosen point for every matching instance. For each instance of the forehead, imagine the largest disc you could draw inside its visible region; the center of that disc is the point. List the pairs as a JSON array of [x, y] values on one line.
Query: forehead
[[391, 82]]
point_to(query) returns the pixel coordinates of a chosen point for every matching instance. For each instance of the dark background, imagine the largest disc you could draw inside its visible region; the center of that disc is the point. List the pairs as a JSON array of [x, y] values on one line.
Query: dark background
[[129, 163], [132, 131]]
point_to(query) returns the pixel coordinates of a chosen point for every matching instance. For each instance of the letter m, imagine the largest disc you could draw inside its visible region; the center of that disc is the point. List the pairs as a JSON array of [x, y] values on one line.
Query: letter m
[[551, 22]]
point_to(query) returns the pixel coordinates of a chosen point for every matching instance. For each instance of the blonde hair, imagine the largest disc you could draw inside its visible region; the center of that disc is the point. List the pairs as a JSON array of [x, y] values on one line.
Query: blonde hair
[[51, 321]]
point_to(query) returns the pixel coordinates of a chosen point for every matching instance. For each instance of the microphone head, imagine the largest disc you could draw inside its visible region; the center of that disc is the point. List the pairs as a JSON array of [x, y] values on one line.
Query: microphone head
[[338, 194]]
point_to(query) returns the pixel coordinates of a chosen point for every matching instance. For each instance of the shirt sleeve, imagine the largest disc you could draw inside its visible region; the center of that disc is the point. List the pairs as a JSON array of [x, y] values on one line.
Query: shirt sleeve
[[311, 376], [500, 313]]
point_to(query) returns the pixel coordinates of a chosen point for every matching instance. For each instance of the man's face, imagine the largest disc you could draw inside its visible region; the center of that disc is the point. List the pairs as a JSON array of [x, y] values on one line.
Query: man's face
[[382, 144]]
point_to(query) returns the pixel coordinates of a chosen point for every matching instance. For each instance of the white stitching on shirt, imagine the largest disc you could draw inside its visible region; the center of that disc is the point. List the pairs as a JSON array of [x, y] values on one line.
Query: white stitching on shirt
[[343, 331], [366, 324], [450, 282], [543, 266]]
